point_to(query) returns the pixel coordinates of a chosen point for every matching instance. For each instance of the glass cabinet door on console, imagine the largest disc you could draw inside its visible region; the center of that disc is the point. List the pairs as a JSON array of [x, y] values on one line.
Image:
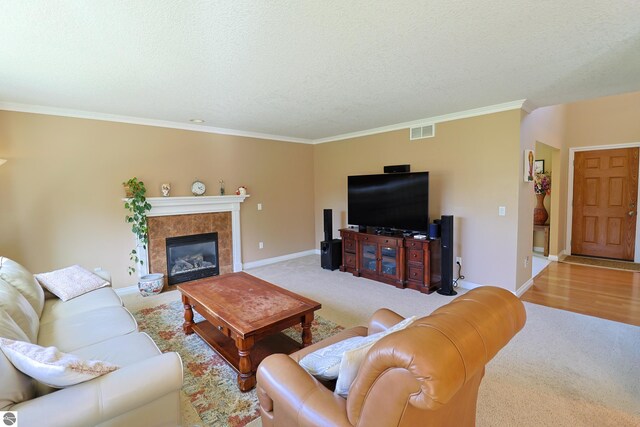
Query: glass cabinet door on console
[[369, 257], [378, 257], [388, 261]]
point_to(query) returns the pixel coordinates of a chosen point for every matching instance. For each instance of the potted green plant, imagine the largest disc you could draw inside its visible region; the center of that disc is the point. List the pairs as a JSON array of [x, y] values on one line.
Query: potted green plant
[[137, 205]]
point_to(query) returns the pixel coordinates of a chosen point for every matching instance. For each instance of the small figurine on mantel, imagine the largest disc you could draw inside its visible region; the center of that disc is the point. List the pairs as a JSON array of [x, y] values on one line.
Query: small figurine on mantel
[[165, 189], [242, 191], [221, 187]]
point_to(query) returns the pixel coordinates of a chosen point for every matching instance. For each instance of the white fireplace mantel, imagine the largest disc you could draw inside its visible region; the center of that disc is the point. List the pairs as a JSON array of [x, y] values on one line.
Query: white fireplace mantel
[[165, 206]]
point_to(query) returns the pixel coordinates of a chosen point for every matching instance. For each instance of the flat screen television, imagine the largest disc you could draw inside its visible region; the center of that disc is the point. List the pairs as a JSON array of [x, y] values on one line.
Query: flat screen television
[[392, 200]]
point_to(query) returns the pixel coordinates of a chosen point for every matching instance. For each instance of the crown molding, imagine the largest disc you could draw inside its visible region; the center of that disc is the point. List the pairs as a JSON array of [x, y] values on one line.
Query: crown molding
[[497, 108], [53, 111], [528, 106]]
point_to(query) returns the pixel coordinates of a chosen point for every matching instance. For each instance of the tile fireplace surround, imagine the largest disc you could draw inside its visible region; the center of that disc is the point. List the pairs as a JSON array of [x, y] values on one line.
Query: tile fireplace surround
[[180, 216]]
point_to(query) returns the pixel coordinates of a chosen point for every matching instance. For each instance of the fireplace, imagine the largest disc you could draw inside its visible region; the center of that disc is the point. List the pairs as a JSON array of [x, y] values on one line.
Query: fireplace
[[192, 257]]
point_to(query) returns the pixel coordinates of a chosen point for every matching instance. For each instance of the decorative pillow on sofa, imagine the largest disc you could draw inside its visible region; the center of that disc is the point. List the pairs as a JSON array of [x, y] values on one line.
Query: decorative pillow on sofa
[[70, 282], [50, 366], [353, 358], [324, 363]]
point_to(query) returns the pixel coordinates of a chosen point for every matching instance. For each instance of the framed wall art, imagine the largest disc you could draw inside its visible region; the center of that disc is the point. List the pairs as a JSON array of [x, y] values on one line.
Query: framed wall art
[[528, 165]]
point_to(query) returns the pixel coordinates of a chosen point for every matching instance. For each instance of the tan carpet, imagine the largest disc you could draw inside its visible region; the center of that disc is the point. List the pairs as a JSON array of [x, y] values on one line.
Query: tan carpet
[[599, 262], [562, 369]]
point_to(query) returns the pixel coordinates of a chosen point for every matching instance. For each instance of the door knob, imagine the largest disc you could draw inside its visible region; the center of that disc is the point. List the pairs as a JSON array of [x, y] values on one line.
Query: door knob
[[632, 213]]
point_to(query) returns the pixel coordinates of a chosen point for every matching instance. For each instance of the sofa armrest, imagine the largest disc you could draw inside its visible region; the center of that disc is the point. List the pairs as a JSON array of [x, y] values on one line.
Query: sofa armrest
[[382, 320], [105, 397], [290, 396]]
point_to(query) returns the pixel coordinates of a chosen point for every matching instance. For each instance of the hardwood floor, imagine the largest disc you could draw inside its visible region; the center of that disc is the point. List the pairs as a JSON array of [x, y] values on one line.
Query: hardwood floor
[[600, 292]]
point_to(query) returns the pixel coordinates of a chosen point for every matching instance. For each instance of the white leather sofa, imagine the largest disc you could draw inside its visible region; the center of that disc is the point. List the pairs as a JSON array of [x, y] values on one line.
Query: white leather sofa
[[143, 392]]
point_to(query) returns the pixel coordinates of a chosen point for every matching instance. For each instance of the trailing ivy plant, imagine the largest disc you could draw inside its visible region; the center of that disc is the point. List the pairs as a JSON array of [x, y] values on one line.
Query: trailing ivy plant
[[138, 207]]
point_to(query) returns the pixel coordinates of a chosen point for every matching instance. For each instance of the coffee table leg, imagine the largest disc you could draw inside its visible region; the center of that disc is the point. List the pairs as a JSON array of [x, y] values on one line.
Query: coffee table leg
[[246, 376], [187, 326], [306, 329]]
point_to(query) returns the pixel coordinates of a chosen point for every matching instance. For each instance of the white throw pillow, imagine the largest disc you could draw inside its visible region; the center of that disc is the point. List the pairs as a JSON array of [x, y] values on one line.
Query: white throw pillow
[[70, 282], [50, 366], [324, 363], [353, 358]]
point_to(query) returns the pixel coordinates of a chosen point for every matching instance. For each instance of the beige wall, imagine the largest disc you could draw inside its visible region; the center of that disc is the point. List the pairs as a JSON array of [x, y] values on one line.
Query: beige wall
[[475, 166], [604, 121], [545, 130], [60, 191]]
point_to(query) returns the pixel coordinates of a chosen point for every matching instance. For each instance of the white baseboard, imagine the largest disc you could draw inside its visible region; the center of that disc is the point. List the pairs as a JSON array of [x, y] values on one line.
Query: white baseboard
[[465, 284], [133, 289], [557, 257], [524, 288], [267, 261], [470, 285]]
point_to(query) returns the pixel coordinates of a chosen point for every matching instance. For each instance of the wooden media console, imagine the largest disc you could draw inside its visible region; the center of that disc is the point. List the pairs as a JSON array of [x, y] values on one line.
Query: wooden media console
[[404, 262]]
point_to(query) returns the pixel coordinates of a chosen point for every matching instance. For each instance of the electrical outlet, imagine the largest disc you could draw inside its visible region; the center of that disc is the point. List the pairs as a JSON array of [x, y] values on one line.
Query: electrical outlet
[[259, 206], [526, 262], [459, 260], [260, 245]]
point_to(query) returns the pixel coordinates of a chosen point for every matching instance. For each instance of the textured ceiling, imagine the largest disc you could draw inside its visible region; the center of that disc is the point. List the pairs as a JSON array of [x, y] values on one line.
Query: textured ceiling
[[312, 69]]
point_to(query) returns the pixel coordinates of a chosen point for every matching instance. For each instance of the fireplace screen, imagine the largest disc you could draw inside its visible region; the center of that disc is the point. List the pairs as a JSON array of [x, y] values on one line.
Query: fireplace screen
[[192, 257]]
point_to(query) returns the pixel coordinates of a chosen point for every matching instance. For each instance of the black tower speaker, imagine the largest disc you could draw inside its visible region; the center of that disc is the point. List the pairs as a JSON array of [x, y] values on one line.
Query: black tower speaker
[[446, 247], [328, 225], [331, 254], [330, 248]]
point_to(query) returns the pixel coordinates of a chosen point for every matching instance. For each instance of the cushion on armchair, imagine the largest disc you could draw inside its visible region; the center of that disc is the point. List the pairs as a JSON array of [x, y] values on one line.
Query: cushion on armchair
[[325, 363], [353, 358]]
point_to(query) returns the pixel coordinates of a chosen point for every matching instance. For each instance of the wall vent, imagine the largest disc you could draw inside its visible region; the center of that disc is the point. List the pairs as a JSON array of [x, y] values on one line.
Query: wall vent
[[420, 132]]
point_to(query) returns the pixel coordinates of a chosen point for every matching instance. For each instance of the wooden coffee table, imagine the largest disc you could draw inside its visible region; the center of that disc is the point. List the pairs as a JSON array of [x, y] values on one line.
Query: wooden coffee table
[[244, 317]]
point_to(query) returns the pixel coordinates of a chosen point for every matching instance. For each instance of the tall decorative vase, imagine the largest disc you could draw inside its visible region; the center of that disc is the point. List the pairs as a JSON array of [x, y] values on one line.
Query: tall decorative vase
[[540, 214]]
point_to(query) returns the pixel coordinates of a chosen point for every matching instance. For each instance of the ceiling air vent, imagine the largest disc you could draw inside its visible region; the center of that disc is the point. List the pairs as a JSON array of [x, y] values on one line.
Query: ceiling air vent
[[420, 132]]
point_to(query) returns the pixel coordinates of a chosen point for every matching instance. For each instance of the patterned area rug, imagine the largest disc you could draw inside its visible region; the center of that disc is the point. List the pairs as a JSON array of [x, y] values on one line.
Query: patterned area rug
[[599, 262], [209, 382]]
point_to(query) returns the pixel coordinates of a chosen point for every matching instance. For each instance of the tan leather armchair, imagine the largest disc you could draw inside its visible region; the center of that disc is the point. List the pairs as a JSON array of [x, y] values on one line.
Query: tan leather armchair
[[425, 375]]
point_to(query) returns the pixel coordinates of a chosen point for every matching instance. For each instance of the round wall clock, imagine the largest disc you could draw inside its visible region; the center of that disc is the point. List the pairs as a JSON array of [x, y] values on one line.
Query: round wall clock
[[198, 188]]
